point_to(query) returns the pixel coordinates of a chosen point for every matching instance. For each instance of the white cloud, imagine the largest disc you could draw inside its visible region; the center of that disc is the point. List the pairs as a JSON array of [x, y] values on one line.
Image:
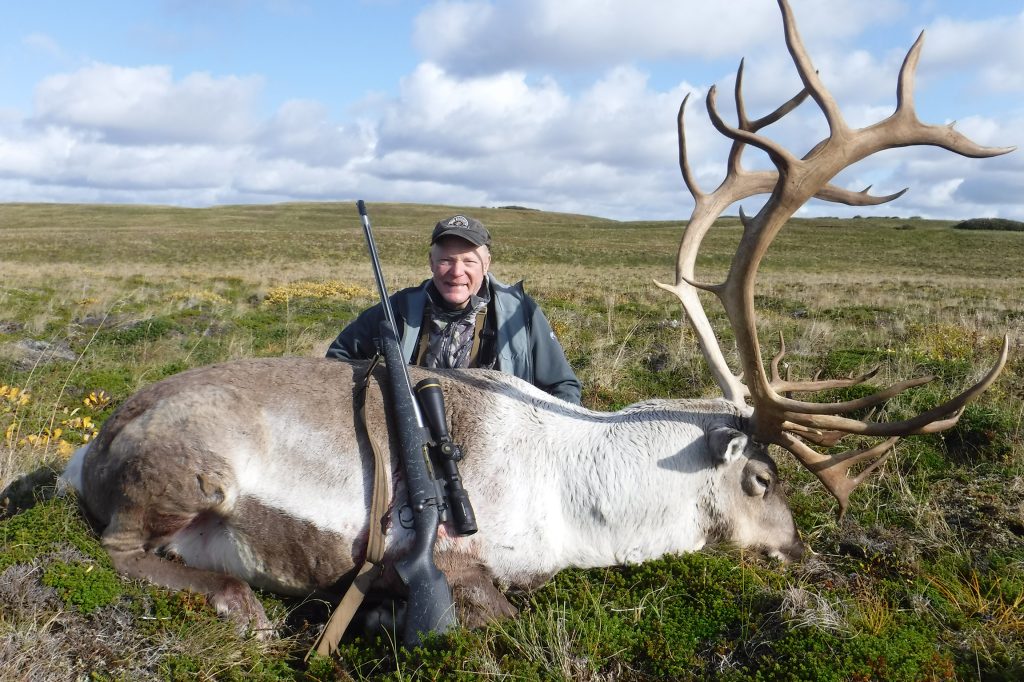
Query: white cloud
[[58, 155], [469, 116], [109, 133], [993, 46], [146, 104], [303, 130], [509, 141], [477, 36]]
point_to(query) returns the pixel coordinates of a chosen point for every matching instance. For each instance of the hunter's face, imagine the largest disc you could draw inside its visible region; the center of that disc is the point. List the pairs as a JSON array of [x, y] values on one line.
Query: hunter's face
[[458, 269]]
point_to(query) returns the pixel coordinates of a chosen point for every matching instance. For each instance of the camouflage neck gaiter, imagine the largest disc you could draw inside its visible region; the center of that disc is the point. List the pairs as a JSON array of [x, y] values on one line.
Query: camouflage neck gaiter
[[451, 331]]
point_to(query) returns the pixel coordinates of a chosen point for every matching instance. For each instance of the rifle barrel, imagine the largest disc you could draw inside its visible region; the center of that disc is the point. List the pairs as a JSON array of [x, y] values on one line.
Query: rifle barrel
[[378, 275]]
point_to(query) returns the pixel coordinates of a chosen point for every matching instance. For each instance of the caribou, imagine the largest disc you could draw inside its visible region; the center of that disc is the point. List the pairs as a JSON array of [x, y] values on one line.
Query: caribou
[[255, 473]]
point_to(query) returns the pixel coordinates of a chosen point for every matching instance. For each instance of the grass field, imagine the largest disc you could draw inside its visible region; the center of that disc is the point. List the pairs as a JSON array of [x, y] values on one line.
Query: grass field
[[923, 580]]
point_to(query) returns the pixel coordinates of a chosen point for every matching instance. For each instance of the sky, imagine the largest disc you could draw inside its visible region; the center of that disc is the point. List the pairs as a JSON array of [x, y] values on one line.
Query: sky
[[561, 105]]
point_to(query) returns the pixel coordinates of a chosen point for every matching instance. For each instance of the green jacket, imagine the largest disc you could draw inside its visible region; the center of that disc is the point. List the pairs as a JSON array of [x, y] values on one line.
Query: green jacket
[[526, 346]]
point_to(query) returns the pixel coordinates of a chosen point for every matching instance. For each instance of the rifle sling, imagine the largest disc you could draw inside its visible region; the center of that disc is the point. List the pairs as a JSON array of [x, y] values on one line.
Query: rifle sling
[[343, 613]]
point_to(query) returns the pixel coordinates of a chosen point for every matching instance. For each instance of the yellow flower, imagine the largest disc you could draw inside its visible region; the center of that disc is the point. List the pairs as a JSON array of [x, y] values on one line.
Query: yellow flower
[[97, 399], [14, 395], [329, 289]]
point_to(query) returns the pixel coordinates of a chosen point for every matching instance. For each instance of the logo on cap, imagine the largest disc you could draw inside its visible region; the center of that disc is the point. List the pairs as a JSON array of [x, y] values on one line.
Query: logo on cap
[[458, 221]]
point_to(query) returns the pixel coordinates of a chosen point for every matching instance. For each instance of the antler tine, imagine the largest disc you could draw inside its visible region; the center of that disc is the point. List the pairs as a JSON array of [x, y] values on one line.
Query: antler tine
[[741, 109], [776, 378], [744, 123], [862, 198], [778, 154], [833, 471], [788, 106], [905, 80], [785, 386], [736, 150], [802, 407], [684, 161], [904, 128], [824, 415], [808, 74], [822, 385]]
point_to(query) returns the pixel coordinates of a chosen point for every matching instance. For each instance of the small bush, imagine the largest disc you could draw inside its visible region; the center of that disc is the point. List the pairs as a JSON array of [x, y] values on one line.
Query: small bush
[[332, 289], [990, 224]]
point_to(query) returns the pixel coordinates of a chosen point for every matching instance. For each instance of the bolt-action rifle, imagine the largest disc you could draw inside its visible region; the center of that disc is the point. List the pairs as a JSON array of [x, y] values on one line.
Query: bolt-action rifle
[[430, 606]]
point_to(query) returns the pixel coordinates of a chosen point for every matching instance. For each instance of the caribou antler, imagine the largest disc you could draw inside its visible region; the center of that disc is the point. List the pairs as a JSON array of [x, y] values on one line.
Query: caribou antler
[[777, 418]]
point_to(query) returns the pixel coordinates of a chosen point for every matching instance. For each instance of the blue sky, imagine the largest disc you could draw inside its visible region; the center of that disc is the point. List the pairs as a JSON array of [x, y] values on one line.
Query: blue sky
[[565, 105]]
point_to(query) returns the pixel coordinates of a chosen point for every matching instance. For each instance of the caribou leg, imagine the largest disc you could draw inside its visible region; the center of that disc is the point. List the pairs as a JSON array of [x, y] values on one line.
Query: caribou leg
[[126, 542]]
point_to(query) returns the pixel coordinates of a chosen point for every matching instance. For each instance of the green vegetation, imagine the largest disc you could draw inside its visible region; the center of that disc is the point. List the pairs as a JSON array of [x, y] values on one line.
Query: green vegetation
[[990, 224], [64, 613], [924, 580]]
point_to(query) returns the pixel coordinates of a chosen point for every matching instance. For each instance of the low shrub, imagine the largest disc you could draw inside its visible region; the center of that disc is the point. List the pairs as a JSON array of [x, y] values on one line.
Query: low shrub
[[990, 224]]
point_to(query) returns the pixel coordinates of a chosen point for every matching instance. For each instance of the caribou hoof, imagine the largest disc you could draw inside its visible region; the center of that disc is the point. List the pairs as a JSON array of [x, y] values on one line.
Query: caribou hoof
[[236, 601]]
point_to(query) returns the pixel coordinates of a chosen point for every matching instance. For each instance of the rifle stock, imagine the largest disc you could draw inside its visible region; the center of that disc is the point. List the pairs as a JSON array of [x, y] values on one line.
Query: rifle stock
[[429, 606]]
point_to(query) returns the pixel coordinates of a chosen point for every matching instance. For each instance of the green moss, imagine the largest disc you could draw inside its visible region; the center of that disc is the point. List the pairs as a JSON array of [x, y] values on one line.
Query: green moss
[[268, 329], [49, 528], [233, 666], [984, 432], [84, 586], [785, 306], [46, 528], [170, 369], [902, 653], [144, 330], [858, 314], [846, 361], [118, 380]]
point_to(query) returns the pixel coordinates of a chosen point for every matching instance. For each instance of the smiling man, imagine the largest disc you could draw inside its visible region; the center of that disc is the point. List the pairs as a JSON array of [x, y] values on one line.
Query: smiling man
[[463, 317]]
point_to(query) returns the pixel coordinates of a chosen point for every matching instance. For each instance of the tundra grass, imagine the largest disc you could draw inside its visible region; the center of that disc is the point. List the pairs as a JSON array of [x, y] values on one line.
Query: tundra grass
[[923, 580]]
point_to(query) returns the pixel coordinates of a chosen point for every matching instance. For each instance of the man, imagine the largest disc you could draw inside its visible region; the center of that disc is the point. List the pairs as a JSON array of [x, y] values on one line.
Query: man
[[463, 317]]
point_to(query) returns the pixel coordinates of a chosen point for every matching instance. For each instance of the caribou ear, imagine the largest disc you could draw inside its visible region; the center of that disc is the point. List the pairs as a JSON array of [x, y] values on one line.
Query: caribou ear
[[726, 444]]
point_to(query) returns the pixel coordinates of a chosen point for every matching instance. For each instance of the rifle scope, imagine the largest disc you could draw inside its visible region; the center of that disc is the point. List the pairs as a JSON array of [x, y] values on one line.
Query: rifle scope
[[431, 399]]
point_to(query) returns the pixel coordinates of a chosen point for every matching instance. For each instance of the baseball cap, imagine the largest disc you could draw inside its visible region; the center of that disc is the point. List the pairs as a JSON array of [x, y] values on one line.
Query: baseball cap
[[470, 229]]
